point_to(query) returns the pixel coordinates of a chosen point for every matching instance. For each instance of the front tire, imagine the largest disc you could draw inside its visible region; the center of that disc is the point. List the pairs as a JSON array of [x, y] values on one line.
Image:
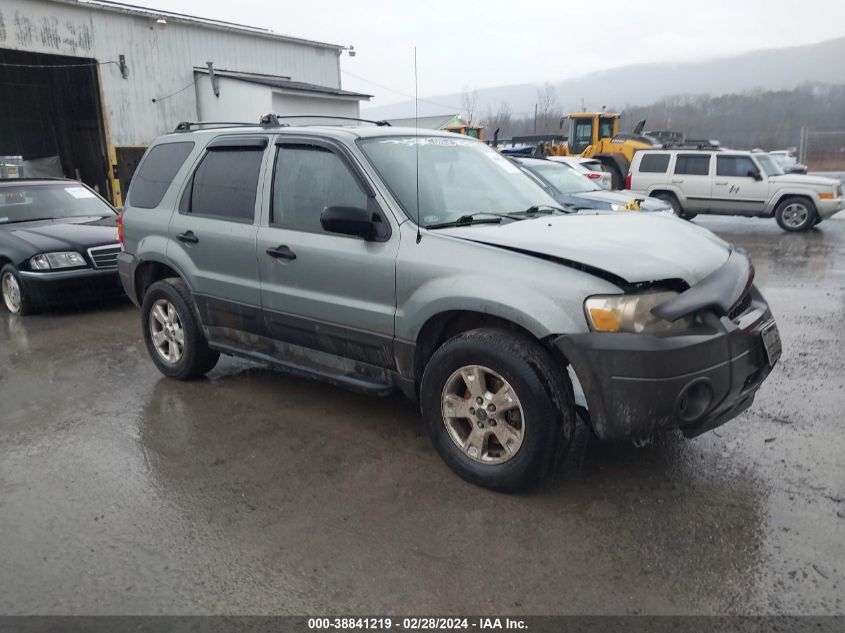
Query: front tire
[[14, 295], [796, 214], [498, 408], [172, 331]]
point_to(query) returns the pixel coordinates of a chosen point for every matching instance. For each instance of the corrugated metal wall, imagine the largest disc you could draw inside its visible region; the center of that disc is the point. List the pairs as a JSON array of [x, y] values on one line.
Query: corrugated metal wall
[[160, 60]]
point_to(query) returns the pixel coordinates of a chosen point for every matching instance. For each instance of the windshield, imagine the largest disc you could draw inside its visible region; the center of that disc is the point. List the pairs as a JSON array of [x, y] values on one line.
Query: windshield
[[783, 160], [457, 177], [769, 165], [28, 202], [564, 179]]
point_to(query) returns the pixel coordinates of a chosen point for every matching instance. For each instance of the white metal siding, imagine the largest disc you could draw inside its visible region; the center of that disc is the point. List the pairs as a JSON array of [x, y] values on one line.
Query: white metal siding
[[239, 101], [160, 60], [286, 103]]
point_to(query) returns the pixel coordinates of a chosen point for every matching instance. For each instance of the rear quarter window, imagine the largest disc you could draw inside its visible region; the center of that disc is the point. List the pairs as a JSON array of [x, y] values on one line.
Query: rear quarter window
[[654, 163], [156, 172]]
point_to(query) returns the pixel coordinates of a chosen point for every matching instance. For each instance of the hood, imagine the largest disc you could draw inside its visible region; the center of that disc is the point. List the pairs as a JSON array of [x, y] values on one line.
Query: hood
[[633, 246], [604, 199], [807, 181], [71, 234]]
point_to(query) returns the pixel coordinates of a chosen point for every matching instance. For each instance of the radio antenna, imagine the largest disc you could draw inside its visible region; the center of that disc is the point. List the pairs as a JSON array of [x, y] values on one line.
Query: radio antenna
[[417, 142]]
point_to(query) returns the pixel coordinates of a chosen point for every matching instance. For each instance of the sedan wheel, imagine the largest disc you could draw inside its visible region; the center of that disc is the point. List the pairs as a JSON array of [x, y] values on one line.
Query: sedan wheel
[[15, 297], [166, 331], [11, 292], [483, 415]]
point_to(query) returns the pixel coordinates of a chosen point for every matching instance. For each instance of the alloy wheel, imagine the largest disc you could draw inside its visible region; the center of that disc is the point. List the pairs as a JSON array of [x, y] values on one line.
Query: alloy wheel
[[167, 332], [483, 414], [11, 293], [795, 215]]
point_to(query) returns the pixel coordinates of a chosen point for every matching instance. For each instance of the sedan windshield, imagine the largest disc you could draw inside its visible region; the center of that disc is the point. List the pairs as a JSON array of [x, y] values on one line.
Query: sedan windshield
[[769, 165], [29, 202], [563, 178], [458, 177]]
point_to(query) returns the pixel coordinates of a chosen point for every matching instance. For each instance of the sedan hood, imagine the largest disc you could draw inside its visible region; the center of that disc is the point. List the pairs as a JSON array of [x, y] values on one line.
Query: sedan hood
[[633, 246], [72, 234], [604, 200]]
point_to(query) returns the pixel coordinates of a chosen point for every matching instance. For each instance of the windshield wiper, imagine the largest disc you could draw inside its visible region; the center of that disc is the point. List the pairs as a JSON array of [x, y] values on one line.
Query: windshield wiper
[[470, 218], [542, 208]]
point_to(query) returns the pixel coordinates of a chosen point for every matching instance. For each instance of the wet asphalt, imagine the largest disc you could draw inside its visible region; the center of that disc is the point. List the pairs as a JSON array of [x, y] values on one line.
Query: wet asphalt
[[123, 492]]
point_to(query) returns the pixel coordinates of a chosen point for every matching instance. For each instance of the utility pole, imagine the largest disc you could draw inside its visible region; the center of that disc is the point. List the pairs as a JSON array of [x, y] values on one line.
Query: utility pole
[[535, 119]]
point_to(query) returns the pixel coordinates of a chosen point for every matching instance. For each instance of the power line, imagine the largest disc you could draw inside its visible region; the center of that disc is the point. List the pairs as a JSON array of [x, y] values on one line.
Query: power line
[[156, 100], [399, 92], [410, 96]]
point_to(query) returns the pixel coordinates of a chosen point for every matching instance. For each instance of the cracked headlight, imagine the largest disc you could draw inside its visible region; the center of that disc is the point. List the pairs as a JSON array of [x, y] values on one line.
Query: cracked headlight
[[55, 261], [631, 313]]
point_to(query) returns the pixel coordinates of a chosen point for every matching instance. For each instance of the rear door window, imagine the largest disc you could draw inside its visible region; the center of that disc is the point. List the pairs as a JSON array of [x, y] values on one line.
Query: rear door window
[[655, 163], [693, 164], [157, 171], [224, 184]]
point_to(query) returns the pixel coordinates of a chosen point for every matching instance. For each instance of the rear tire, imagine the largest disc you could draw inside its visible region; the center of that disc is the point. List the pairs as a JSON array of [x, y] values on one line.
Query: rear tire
[[617, 180], [14, 296], [173, 333], [672, 201], [527, 414], [796, 214]]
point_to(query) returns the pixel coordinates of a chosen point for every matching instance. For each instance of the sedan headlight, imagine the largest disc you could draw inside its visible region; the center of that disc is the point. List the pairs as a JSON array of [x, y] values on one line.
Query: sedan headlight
[[631, 313], [54, 261]]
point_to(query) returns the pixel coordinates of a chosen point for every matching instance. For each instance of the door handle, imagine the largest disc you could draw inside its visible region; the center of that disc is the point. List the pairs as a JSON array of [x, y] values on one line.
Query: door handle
[[677, 182], [720, 183], [281, 252], [188, 237]]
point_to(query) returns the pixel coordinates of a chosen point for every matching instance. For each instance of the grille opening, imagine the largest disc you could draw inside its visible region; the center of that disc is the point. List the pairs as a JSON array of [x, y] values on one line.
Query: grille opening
[[105, 256]]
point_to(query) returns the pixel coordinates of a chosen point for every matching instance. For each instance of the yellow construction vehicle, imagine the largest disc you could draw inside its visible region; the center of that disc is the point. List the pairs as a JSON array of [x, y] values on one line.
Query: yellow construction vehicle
[[596, 135], [459, 126]]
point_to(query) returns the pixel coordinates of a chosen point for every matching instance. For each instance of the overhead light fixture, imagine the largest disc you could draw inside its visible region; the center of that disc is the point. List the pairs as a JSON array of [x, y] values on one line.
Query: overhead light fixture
[[160, 23]]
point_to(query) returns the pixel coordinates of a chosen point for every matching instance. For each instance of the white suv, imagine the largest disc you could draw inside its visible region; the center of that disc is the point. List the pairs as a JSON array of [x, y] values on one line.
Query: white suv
[[734, 182]]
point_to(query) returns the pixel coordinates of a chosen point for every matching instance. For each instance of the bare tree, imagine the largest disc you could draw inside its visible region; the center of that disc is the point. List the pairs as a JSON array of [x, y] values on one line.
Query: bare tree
[[548, 109], [502, 120], [470, 102]]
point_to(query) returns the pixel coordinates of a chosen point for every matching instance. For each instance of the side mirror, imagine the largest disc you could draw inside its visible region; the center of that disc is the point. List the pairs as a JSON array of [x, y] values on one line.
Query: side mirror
[[755, 174], [348, 221]]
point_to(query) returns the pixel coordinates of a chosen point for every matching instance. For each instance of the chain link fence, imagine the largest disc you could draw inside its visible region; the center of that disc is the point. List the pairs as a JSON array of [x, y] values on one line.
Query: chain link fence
[[822, 150]]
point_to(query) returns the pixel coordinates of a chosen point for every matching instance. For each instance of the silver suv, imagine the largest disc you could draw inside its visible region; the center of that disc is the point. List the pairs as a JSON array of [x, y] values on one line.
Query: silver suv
[[735, 183], [380, 259]]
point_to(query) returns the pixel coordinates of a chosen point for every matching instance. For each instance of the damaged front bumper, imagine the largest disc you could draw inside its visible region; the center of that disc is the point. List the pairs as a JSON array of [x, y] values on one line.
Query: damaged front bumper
[[636, 384]]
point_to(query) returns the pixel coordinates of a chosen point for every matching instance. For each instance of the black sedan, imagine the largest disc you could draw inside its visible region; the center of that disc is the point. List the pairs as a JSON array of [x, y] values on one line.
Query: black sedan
[[573, 190], [58, 241]]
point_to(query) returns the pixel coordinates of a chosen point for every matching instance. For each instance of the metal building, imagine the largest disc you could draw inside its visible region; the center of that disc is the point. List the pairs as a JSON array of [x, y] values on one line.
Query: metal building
[[85, 85]]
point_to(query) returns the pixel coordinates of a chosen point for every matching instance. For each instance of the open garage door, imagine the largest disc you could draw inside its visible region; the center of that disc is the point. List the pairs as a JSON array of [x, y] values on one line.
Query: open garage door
[[50, 115]]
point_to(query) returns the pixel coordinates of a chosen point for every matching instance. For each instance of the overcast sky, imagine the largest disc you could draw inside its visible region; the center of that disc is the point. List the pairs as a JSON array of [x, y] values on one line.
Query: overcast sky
[[496, 42]]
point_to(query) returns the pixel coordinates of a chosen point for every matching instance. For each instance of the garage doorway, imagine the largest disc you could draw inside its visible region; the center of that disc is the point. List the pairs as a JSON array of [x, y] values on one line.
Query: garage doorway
[[50, 108]]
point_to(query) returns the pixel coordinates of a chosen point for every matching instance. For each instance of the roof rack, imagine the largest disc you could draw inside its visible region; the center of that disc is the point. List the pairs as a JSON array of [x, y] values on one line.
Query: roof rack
[[692, 143], [188, 126], [274, 119], [270, 120]]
